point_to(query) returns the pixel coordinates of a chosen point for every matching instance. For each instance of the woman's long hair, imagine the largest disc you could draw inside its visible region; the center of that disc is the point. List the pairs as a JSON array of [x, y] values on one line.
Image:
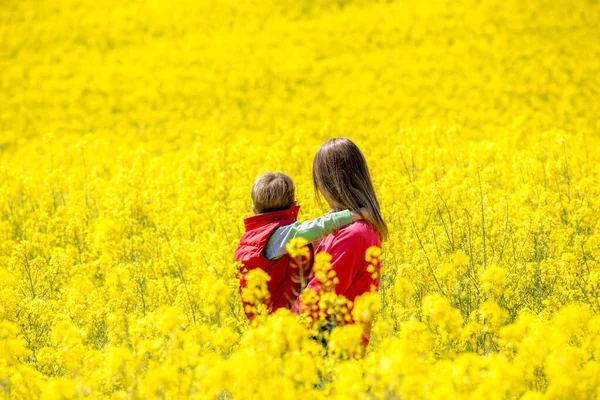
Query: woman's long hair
[[341, 174]]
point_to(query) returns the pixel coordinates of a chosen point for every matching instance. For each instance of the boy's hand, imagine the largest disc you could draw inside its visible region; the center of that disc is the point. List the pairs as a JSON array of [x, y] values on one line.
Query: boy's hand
[[358, 214]]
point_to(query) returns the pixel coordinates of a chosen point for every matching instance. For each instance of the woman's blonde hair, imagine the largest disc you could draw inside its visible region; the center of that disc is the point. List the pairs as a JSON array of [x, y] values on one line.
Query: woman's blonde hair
[[341, 174]]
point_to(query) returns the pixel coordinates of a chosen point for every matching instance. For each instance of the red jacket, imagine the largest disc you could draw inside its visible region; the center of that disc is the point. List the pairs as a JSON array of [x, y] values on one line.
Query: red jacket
[[347, 248], [284, 285]]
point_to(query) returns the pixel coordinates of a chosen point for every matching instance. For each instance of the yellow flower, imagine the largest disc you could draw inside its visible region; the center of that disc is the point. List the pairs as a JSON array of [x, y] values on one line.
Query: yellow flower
[[60, 389], [492, 279], [298, 248], [373, 255], [460, 258], [365, 308], [66, 333]]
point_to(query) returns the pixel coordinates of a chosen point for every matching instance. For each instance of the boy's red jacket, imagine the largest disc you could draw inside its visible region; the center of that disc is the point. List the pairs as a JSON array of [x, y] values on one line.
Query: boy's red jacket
[[284, 285]]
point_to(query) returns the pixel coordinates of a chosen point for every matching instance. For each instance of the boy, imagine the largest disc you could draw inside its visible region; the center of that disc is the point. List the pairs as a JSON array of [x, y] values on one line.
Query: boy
[[270, 229]]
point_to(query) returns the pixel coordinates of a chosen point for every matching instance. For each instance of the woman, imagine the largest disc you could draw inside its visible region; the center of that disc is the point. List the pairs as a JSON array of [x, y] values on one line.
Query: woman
[[341, 176]]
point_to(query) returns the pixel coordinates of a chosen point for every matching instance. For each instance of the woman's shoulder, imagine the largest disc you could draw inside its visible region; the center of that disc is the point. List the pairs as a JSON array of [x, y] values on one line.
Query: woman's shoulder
[[358, 235], [360, 230]]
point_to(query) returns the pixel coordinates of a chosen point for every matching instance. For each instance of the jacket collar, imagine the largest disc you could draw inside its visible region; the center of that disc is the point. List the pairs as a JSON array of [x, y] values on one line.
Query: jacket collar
[[259, 220]]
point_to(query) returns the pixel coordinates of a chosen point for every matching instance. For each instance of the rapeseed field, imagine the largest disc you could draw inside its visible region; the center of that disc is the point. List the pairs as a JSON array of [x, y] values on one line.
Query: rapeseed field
[[131, 133]]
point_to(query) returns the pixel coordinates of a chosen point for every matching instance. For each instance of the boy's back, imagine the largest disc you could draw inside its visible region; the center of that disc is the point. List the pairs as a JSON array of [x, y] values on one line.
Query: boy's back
[[282, 286]]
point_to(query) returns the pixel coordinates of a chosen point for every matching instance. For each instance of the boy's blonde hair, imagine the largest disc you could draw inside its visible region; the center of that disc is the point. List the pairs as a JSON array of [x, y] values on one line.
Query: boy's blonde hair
[[273, 191]]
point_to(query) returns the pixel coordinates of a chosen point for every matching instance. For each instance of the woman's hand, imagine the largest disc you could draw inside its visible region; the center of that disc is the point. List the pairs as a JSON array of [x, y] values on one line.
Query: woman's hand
[[358, 214]]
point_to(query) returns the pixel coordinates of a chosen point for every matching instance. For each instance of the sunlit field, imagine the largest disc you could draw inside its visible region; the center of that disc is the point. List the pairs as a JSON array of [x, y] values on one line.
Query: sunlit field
[[131, 133]]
